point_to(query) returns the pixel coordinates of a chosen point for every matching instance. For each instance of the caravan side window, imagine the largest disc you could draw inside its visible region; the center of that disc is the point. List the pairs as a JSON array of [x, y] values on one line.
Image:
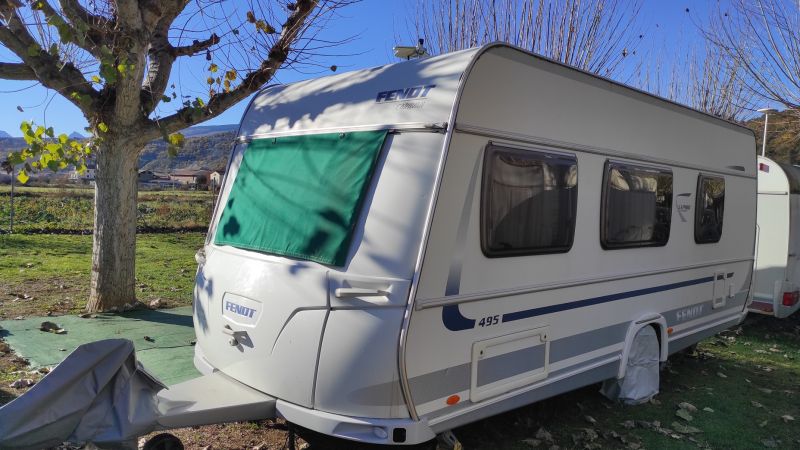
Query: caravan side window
[[709, 209], [637, 206], [529, 201]]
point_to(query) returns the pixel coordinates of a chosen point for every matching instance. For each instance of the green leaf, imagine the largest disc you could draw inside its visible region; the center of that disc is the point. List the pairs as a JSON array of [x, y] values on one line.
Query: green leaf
[[22, 176], [176, 139], [213, 68], [96, 79], [66, 34], [54, 49], [33, 50], [165, 99], [264, 27], [108, 72], [102, 127]]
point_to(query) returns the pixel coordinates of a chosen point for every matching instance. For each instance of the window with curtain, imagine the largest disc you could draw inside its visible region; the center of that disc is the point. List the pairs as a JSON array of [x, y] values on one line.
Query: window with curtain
[[637, 206], [529, 202], [709, 209]]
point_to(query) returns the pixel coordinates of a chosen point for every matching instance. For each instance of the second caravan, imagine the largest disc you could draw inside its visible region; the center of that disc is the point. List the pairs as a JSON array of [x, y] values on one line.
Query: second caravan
[[777, 277]]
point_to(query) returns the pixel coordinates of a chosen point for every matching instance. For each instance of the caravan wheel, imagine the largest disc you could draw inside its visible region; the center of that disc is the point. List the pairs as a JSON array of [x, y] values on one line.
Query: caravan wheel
[[641, 379], [163, 441]]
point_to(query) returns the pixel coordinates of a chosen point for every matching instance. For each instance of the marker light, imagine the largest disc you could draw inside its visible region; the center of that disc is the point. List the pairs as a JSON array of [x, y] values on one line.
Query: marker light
[[790, 298]]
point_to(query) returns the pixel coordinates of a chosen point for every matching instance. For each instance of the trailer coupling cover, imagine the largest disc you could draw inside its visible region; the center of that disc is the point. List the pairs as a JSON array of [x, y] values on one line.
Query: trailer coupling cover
[[99, 393]]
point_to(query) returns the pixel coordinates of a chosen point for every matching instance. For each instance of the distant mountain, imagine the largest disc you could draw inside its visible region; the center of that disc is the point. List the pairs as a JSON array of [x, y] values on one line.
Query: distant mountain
[[3, 134], [76, 135], [205, 130], [205, 146], [208, 150], [10, 143]]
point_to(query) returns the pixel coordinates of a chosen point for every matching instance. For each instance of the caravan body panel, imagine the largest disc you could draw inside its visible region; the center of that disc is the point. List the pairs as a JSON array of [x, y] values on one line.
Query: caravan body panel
[[582, 303]]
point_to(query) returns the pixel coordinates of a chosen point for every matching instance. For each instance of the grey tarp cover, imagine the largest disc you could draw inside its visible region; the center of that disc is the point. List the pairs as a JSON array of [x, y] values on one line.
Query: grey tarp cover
[[640, 383], [98, 394]]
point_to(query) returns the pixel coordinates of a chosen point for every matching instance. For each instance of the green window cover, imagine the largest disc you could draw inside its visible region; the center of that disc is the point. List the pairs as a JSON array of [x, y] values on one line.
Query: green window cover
[[300, 196]]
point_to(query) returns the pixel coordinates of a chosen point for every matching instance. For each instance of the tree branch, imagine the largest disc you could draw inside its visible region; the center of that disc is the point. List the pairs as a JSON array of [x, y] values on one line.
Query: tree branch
[[75, 13], [218, 103], [129, 15], [16, 71], [48, 69], [74, 35], [196, 47], [162, 55]]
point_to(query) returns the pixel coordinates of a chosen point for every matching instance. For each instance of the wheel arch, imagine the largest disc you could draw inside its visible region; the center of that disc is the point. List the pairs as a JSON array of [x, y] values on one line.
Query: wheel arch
[[659, 323]]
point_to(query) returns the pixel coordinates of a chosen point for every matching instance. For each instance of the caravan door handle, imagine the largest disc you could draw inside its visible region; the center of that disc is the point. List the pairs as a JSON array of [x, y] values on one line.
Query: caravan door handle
[[359, 292]]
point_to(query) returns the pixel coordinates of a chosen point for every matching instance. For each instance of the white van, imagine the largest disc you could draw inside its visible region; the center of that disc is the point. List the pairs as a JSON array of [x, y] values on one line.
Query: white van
[[777, 278], [402, 250]]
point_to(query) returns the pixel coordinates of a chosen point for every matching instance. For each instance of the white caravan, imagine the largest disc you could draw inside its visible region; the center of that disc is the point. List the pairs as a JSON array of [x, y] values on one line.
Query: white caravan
[[777, 277], [402, 250]]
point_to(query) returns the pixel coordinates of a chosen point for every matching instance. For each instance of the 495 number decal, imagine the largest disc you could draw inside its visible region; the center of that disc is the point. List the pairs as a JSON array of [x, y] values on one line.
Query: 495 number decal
[[489, 321]]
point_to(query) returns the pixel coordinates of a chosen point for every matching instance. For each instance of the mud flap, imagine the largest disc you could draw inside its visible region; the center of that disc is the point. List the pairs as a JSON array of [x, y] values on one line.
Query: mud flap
[[101, 394], [641, 380]]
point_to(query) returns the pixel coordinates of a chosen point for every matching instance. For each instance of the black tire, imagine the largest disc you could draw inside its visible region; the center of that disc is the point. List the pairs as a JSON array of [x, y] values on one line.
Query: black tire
[[163, 441]]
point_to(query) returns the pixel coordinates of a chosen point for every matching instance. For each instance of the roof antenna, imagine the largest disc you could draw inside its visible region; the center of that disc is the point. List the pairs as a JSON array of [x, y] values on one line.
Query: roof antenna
[[409, 52]]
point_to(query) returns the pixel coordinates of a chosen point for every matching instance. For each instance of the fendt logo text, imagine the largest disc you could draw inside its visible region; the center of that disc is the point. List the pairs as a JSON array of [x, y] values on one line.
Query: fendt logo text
[[409, 93], [239, 309]]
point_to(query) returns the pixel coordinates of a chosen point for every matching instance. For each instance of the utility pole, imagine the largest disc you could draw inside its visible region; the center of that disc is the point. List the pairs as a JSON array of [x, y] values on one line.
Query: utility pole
[[766, 112], [11, 221]]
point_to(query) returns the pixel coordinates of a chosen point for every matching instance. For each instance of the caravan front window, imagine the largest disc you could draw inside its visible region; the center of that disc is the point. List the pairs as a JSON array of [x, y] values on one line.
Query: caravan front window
[[300, 196], [637, 206], [529, 201], [710, 209]]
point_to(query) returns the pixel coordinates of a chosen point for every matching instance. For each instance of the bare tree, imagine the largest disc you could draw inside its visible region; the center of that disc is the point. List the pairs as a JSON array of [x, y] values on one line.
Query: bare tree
[[701, 78], [113, 60], [593, 35], [762, 37]]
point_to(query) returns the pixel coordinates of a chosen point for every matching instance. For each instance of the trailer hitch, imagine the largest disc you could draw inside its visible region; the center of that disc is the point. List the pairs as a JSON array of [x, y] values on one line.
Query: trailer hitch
[[100, 394]]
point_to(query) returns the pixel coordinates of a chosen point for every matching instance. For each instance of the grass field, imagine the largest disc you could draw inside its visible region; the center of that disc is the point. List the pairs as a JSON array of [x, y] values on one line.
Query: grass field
[[44, 272], [70, 210], [745, 383]]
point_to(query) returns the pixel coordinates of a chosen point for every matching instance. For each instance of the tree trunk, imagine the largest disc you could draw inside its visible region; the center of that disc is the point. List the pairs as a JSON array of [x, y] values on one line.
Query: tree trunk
[[114, 243]]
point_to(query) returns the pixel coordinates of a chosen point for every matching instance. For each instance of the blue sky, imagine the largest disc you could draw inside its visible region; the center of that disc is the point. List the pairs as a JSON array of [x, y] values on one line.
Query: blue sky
[[668, 28]]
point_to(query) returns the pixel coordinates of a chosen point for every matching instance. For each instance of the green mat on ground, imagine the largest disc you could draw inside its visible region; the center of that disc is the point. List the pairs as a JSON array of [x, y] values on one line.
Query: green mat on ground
[[169, 356]]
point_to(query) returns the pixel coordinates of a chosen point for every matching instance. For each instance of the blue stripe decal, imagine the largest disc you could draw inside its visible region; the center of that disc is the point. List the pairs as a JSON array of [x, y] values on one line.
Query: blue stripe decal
[[455, 321]]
